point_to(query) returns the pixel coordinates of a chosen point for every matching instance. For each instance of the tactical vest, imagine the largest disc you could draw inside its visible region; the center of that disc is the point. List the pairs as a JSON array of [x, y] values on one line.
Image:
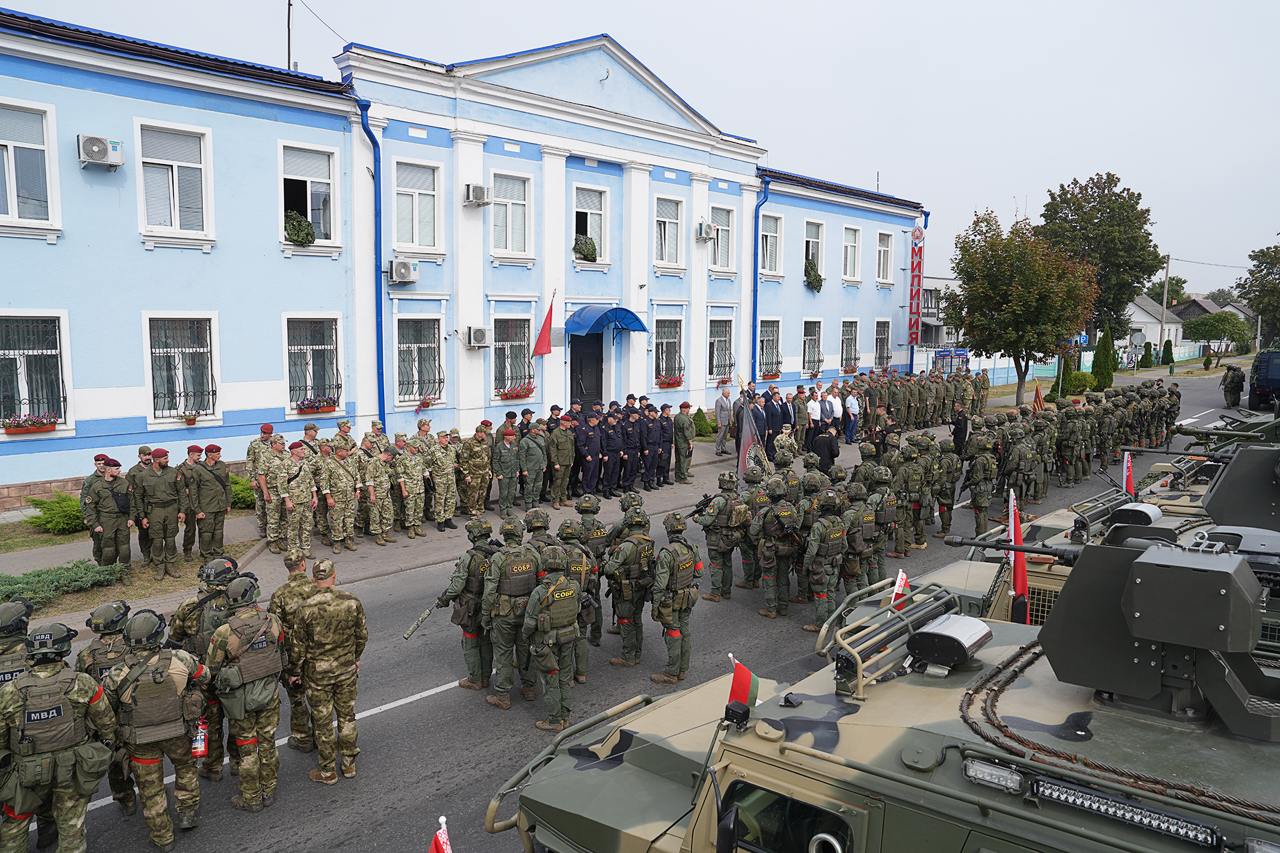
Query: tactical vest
[[794, 490], [832, 544], [733, 514], [887, 509], [13, 663], [480, 556], [860, 527], [781, 521], [102, 656], [594, 534], [643, 559], [49, 719], [579, 567], [808, 513], [686, 563], [914, 481], [213, 615], [517, 579], [759, 499], [151, 707], [259, 656], [562, 604]]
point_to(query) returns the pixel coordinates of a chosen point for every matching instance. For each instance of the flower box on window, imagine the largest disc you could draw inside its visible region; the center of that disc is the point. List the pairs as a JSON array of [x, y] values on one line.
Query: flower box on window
[[814, 374], [849, 369], [518, 392], [722, 381], [771, 374], [27, 424], [425, 403], [317, 405], [670, 381], [190, 418]]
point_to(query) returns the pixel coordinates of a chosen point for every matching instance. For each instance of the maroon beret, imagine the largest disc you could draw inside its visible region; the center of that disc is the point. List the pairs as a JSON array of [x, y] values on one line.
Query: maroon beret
[[159, 453], [486, 423], [295, 445], [212, 448], [101, 457], [685, 405], [194, 448], [508, 432], [267, 429], [110, 463]]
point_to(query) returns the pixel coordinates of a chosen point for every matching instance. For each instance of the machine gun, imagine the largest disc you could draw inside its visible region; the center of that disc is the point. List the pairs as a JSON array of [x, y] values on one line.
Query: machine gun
[[1066, 556], [1210, 457]]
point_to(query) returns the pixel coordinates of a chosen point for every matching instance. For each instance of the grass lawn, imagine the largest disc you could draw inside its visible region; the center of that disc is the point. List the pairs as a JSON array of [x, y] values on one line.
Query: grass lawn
[[21, 535]]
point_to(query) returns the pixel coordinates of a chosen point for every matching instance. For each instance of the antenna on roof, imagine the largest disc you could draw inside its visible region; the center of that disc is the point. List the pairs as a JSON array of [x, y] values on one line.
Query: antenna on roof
[[288, 34], [877, 180]]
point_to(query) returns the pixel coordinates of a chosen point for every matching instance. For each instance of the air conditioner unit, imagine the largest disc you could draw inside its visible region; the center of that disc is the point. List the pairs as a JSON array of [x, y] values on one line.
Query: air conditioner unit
[[100, 151], [403, 271], [705, 231], [475, 195], [479, 336]]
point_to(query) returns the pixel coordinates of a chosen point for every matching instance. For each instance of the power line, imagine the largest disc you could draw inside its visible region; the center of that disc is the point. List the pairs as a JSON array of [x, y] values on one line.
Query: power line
[[316, 15], [1209, 264]]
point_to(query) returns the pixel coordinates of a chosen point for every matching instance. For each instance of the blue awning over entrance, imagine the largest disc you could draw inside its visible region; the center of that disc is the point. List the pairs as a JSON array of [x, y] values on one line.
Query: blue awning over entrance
[[593, 319]]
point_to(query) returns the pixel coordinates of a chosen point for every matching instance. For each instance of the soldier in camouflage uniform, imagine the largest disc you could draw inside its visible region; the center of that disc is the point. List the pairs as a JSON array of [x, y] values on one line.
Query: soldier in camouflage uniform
[[376, 437], [211, 499], [144, 537], [443, 463], [812, 484], [327, 646], [560, 455], [508, 583], [596, 539], [286, 603], [411, 469], [949, 470], [860, 532], [882, 502], [14, 616], [550, 628], [161, 499], [99, 464], [824, 556], [981, 478], [775, 531], [342, 473], [585, 569], [466, 587], [473, 462], [46, 716], [378, 479], [107, 507], [294, 482], [675, 591], [148, 692], [264, 472], [533, 462], [756, 500], [245, 659], [104, 652], [786, 441], [629, 566], [258, 447], [724, 522], [505, 462]]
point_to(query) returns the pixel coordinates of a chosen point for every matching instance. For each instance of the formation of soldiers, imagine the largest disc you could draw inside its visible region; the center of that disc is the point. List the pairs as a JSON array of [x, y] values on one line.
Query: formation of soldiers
[[136, 697]]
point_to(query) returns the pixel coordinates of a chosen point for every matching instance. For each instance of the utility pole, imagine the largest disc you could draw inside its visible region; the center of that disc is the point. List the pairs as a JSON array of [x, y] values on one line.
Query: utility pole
[[288, 29], [1164, 302]]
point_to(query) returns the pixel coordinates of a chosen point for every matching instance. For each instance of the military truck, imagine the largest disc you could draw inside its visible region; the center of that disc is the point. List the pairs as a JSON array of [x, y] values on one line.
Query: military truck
[[1130, 721]]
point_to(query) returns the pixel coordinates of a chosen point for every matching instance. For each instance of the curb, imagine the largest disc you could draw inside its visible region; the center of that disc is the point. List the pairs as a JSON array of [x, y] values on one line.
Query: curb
[[254, 553]]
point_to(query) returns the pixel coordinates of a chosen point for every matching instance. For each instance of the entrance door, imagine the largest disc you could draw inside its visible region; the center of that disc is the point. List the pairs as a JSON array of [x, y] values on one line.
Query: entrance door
[[586, 368]]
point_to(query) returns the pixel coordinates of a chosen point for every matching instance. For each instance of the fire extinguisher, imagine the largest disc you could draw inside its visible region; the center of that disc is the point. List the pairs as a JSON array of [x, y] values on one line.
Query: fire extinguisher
[[200, 743]]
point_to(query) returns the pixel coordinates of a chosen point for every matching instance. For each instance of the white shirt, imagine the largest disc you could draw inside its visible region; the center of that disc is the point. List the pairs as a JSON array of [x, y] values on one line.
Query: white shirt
[[851, 405], [815, 411]]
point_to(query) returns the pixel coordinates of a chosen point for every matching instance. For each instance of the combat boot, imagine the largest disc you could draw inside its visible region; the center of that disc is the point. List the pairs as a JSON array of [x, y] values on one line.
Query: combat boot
[[711, 596], [810, 628], [318, 775], [580, 679], [337, 546], [46, 833], [188, 821], [213, 774], [448, 522], [294, 743], [239, 802], [379, 540], [440, 526], [348, 768], [128, 803], [268, 800], [549, 726], [502, 703], [158, 573], [623, 662], [274, 547], [662, 678], [387, 537], [767, 613], [528, 694], [166, 846], [349, 544], [468, 683], [326, 540]]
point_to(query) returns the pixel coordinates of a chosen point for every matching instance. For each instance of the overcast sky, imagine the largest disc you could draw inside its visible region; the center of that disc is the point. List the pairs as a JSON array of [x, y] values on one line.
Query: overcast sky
[[962, 106]]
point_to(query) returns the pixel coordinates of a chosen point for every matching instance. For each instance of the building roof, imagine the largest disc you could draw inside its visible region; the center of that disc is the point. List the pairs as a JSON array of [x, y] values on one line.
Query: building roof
[[1149, 305], [49, 29], [826, 186], [1242, 308], [1208, 306]]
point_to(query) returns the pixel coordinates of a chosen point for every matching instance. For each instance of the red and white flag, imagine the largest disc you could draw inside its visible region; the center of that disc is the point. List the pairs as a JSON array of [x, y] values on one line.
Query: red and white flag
[[1020, 611], [440, 841], [1128, 476], [542, 345], [901, 591]]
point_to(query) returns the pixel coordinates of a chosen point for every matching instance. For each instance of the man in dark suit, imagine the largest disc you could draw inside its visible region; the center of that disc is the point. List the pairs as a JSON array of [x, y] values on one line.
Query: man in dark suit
[[788, 414], [773, 425], [827, 446], [960, 428], [828, 409]]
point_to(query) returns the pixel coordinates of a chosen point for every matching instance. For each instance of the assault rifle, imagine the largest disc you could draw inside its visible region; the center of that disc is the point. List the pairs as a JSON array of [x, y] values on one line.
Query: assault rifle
[[700, 506], [417, 623]]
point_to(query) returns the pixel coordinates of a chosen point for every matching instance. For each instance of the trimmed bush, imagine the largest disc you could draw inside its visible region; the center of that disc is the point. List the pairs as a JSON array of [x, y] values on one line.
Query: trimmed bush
[[1148, 358], [1104, 361], [703, 424], [241, 493], [45, 585], [1166, 352], [59, 514], [1051, 397], [1079, 381], [1208, 362]]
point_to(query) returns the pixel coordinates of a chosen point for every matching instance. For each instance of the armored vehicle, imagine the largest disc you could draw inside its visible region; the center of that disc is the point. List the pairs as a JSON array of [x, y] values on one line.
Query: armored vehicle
[[1130, 721]]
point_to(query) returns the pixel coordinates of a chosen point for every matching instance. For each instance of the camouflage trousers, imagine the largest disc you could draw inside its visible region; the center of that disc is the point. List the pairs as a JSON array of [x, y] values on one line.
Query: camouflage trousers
[[852, 572], [944, 516], [255, 741], [750, 566], [275, 520], [555, 670], [445, 501], [381, 513], [775, 574], [322, 518], [213, 715], [910, 526], [68, 808], [299, 714], [211, 533], [148, 770], [471, 495], [720, 548], [329, 699], [980, 521], [629, 612], [477, 653], [823, 576], [675, 635], [342, 519], [413, 507], [533, 487], [873, 564], [298, 524], [260, 509], [800, 568], [510, 651]]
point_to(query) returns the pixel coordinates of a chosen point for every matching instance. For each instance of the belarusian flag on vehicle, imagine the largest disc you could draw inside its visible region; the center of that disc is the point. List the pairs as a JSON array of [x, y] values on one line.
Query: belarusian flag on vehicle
[[1128, 475], [901, 591], [744, 686], [440, 841]]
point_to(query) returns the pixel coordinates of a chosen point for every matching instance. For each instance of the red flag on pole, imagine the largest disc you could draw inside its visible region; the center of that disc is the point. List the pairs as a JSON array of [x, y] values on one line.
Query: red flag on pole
[[1020, 611], [542, 346], [440, 841], [1128, 476], [901, 591], [1037, 403], [745, 686]]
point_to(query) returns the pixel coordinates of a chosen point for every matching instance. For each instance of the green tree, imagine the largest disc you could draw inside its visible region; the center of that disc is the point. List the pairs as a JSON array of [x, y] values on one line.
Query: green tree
[[1104, 361], [1147, 359], [1221, 296], [1260, 289], [1043, 295], [1100, 223], [1177, 289], [1223, 328], [1166, 352]]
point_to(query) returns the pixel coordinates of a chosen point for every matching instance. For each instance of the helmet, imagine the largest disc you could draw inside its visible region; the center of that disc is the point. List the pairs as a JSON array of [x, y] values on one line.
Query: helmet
[[478, 529], [882, 474], [626, 502], [893, 439], [636, 517], [218, 572], [144, 628], [512, 528], [554, 558], [813, 482], [783, 458], [108, 618], [809, 460], [673, 522], [775, 487], [13, 617], [829, 501], [50, 641], [856, 491], [867, 449], [1015, 433], [588, 504], [754, 474], [570, 530], [727, 481], [243, 590], [909, 453], [536, 519], [989, 421], [836, 474], [947, 445]]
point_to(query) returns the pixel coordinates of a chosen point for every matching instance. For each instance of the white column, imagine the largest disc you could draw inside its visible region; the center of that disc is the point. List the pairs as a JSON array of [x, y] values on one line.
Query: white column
[[695, 333], [637, 265], [744, 331], [471, 381], [555, 366], [365, 288]]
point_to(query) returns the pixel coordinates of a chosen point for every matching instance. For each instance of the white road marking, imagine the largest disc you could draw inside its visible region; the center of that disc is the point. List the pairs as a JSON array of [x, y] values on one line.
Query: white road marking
[[370, 712], [1205, 412], [1186, 421]]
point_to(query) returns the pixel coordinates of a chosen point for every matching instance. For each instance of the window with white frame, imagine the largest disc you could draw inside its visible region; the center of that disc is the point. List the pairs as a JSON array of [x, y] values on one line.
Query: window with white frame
[[884, 257], [770, 347], [420, 371], [31, 369], [666, 248], [883, 351], [812, 353], [512, 366], [314, 378], [416, 205], [24, 167], [182, 367], [174, 180], [849, 346], [813, 243], [770, 235], [668, 361], [720, 349], [510, 214], [308, 188], [722, 241], [588, 224], [852, 256]]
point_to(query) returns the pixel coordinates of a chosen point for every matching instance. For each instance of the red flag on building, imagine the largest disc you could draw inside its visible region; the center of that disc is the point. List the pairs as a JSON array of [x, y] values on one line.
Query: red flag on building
[[440, 841], [1020, 611], [901, 591], [1037, 404], [1128, 476], [542, 346]]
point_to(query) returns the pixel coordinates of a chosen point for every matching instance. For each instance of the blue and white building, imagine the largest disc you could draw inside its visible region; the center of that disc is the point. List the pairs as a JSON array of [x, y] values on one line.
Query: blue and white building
[[453, 205]]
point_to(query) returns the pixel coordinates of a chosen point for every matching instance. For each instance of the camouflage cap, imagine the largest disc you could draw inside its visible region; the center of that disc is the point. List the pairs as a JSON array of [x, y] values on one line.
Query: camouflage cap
[[322, 570], [401, 437], [277, 439], [344, 423], [308, 427], [324, 442], [424, 422]]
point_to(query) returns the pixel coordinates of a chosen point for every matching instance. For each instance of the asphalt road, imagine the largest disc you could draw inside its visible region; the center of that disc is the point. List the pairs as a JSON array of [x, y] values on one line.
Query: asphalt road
[[431, 749]]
